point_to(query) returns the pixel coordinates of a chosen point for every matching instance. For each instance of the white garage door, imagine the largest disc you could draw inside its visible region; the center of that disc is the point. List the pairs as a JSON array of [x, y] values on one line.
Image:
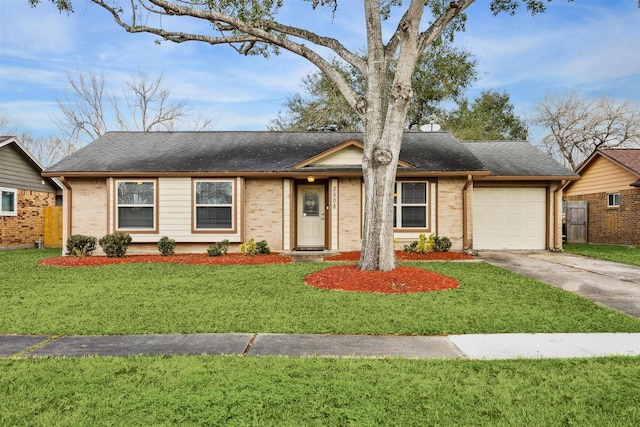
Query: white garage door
[[509, 218]]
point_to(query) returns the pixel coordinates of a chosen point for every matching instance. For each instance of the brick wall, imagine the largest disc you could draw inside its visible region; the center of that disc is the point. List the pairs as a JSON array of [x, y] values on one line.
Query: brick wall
[[263, 211], [350, 214], [620, 226], [28, 226], [90, 211], [450, 210]]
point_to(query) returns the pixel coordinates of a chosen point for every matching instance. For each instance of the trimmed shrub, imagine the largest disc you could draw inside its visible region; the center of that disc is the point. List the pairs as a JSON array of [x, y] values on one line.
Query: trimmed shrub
[[218, 248], [249, 248], [262, 247], [79, 245], [115, 245], [442, 244], [432, 243], [166, 246]]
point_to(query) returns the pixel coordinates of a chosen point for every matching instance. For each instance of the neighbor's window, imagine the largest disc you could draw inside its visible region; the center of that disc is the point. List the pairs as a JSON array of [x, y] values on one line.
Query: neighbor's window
[[613, 200], [410, 205], [9, 202], [136, 205], [214, 205]]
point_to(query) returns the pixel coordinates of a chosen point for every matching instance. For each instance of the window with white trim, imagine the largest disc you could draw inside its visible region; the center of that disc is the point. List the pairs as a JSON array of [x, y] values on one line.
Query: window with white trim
[[613, 200], [135, 205], [9, 199], [410, 204], [213, 205]]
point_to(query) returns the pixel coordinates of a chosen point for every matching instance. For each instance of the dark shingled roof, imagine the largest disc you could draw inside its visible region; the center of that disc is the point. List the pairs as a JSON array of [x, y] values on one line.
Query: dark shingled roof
[[517, 158], [254, 152]]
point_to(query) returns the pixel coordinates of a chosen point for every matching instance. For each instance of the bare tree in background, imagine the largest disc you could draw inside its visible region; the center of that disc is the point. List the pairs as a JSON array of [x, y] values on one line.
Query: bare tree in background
[[47, 150], [578, 125], [88, 111]]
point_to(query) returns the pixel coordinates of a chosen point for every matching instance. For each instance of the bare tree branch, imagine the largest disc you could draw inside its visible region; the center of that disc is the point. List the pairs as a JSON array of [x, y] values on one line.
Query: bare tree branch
[[578, 125]]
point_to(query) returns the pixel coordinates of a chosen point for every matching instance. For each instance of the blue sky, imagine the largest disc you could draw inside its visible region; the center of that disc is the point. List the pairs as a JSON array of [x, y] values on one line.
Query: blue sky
[[588, 45]]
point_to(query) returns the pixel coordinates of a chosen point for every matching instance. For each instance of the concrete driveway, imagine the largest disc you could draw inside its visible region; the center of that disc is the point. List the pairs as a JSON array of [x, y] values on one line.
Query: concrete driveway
[[608, 283]]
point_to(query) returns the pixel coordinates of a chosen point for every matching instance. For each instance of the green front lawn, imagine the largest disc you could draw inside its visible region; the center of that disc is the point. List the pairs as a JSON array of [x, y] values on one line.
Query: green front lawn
[[622, 254], [169, 298], [234, 390], [271, 391]]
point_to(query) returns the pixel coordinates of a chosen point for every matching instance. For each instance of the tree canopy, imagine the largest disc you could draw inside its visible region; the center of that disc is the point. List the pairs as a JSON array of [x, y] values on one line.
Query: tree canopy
[[489, 117], [252, 27], [442, 74]]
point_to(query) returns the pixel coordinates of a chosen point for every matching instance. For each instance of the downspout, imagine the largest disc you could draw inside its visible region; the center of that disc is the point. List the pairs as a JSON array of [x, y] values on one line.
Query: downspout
[[465, 213], [556, 245], [66, 206]]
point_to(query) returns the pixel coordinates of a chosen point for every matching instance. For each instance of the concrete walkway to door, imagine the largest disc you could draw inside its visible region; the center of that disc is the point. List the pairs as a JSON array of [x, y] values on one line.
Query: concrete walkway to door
[[608, 283]]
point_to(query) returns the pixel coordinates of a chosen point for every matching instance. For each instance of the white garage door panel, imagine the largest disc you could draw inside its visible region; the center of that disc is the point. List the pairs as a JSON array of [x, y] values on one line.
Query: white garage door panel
[[509, 218]]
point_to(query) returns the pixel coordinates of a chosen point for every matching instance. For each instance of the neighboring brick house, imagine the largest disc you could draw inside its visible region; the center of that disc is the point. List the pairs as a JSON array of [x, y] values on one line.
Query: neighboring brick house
[[25, 194], [304, 190], [610, 186]]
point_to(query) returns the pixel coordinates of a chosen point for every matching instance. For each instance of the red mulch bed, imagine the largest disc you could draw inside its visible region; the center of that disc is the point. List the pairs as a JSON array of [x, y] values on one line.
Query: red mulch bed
[[402, 280], [406, 256], [233, 259]]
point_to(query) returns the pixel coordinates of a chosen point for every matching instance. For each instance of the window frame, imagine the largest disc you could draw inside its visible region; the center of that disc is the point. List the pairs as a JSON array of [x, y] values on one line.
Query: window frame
[[398, 205], [233, 205], [154, 206], [613, 197], [14, 210]]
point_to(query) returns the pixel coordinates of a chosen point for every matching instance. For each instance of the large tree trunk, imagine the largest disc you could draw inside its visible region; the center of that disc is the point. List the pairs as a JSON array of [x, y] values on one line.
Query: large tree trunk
[[379, 172], [384, 115]]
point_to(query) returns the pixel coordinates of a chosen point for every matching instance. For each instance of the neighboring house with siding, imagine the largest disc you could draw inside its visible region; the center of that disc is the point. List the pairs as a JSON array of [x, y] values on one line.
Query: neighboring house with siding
[[609, 187], [304, 190], [25, 195]]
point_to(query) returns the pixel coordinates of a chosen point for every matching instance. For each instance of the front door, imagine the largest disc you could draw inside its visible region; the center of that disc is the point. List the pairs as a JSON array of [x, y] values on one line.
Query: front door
[[310, 217]]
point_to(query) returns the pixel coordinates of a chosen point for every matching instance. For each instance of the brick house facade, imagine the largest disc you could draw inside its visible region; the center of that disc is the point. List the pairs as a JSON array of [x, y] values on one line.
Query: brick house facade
[[612, 225], [24, 229], [303, 191], [609, 184], [25, 197]]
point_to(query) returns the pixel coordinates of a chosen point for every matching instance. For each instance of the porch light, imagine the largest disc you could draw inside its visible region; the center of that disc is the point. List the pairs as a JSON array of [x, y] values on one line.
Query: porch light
[[311, 179]]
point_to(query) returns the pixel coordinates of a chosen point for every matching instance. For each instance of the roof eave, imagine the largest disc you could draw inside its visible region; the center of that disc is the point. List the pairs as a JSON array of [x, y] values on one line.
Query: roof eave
[[530, 178]]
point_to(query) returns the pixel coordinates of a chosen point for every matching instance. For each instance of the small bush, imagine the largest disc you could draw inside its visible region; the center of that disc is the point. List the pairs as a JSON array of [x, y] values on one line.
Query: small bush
[[432, 243], [218, 248], [79, 245], [166, 246], [442, 244], [262, 247], [115, 245], [249, 247]]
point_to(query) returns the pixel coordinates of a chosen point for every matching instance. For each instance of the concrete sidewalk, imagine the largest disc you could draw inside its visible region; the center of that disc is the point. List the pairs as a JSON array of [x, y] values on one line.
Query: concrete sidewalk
[[484, 347]]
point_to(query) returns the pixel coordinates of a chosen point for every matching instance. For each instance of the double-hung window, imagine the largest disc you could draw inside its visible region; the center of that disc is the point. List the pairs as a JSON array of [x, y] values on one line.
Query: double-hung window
[[613, 200], [9, 202], [410, 205], [136, 207], [214, 205]]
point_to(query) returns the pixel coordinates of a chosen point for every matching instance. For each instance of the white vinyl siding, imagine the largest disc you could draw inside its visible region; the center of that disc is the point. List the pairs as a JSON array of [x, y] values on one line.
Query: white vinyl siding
[[175, 206], [509, 218]]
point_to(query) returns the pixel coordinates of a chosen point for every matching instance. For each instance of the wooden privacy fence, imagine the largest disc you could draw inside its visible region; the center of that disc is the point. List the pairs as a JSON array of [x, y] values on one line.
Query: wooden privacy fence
[[52, 227], [577, 220]]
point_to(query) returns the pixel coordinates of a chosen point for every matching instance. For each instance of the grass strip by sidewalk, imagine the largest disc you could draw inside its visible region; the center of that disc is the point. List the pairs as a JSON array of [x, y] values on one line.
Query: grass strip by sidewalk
[[166, 298], [313, 391], [615, 253]]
